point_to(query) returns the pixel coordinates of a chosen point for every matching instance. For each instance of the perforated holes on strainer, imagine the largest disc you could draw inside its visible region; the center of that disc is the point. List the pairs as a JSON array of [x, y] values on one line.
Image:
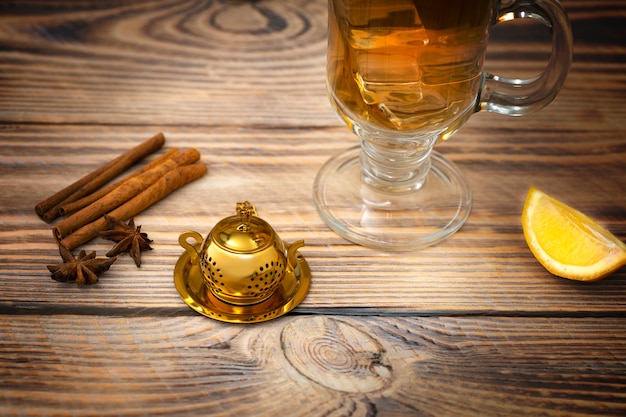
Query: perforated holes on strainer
[[213, 273], [266, 280]]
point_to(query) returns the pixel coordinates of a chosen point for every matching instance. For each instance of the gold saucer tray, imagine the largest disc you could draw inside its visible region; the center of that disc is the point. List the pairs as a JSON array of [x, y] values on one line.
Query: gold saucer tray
[[192, 289]]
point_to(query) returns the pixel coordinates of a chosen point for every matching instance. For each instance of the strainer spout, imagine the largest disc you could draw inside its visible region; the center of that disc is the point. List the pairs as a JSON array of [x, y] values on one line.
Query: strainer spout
[[292, 260]]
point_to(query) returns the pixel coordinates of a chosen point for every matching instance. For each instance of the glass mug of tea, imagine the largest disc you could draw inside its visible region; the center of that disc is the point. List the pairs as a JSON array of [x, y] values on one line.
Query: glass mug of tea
[[405, 75]]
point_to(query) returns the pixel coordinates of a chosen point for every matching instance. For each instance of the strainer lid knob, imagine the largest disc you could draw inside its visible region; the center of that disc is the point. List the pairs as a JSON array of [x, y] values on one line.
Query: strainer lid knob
[[245, 232]]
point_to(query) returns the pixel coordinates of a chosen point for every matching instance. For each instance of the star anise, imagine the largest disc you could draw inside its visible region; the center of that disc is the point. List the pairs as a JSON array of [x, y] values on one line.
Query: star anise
[[130, 238], [83, 269]]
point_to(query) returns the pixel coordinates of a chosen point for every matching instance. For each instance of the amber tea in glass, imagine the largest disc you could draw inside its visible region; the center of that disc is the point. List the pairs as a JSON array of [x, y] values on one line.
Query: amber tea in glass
[[405, 75]]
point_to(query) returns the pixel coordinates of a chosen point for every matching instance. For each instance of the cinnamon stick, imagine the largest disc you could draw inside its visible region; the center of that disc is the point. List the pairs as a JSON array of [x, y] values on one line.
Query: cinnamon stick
[[168, 183], [48, 209], [81, 203], [123, 193]]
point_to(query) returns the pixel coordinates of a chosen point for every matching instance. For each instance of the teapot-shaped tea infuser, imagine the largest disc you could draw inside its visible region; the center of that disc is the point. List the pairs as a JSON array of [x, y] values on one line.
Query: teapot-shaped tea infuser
[[242, 271]]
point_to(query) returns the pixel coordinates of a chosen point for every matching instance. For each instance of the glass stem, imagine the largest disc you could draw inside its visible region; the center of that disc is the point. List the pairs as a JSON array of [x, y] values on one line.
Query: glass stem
[[395, 167]]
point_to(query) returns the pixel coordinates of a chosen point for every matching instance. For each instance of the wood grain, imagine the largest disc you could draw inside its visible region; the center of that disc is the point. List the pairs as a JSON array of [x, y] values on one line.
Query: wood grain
[[473, 326], [312, 365], [484, 268]]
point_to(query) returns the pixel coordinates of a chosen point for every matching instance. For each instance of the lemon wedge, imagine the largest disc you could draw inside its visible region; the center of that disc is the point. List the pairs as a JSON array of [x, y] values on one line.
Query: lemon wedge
[[568, 243]]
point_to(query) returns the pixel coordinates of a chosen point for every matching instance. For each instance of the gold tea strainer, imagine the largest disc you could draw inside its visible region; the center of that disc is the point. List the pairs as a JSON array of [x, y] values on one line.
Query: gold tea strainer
[[248, 272]]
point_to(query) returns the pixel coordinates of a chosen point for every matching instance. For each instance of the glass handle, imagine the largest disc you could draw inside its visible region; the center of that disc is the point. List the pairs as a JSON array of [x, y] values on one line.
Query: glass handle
[[517, 97]]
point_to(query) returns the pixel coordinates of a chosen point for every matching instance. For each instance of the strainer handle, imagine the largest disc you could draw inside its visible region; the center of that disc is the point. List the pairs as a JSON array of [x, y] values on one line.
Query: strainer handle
[[183, 240]]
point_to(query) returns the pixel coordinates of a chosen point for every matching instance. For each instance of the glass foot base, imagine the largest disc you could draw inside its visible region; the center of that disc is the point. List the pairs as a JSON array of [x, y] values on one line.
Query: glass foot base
[[387, 220]]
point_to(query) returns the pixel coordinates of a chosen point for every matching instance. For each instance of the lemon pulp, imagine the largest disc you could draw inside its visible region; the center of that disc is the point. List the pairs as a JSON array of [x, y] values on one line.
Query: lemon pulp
[[568, 243]]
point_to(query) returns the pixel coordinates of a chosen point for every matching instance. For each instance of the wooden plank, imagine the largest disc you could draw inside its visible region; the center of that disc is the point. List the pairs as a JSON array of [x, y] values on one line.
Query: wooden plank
[[312, 365], [486, 267], [189, 68]]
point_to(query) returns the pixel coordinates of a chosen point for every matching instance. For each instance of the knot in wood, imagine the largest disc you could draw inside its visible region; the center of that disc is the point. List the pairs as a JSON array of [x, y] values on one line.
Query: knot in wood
[[336, 355]]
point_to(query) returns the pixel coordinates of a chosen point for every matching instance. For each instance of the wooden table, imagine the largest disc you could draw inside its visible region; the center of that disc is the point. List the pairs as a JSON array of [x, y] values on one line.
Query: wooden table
[[473, 326]]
